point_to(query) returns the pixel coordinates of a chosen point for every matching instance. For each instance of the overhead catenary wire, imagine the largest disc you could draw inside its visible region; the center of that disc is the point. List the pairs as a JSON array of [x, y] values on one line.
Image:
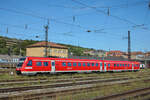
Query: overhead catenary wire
[[25, 26], [105, 13], [66, 23], [57, 21], [41, 17], [123, 5], [112, 6], [29, 35]]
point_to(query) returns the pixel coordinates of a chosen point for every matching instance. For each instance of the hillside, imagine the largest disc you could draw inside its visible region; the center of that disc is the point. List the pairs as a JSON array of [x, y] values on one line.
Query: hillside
[[13, 46]]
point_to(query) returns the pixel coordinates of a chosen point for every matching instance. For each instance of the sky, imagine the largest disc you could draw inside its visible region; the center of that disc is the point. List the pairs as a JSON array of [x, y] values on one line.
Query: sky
[[98, 24]]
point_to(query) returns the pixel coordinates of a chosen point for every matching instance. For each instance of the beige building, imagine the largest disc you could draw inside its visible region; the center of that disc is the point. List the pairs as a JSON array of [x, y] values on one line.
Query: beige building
[[55, 50]]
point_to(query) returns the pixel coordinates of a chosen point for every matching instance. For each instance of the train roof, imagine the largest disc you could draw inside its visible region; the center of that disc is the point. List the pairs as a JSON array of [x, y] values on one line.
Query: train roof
[[45, 58]]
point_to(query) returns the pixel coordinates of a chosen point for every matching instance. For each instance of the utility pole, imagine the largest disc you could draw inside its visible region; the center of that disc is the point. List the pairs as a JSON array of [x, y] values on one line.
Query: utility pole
[[129, 46], [46, 37]]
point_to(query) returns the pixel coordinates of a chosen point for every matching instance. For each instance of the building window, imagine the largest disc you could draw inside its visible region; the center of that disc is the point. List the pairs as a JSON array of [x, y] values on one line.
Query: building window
[[45, 63], [64, 51], [55, 51], [59, 51], [38, 63]]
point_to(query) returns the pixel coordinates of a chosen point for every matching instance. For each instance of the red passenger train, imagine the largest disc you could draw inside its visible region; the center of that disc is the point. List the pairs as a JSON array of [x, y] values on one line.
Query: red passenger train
[[34, 65]]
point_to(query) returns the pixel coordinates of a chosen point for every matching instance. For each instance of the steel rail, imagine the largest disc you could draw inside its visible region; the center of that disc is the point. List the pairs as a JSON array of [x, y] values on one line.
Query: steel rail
[[53, 92]]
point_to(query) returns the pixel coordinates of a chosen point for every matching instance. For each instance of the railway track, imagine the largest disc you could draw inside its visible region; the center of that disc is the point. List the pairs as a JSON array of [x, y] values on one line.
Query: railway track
[[54, 78], [44, 80], [60, 84], [64, 89], [136, 93], [78, 90], [2, 72], [69, 76], [41, 81]]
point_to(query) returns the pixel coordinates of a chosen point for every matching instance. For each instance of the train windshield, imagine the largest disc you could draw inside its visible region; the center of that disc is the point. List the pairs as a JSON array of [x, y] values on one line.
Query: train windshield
[[21, 60]]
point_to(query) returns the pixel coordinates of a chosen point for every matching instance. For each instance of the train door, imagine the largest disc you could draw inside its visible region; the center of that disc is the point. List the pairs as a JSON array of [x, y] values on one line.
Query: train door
[[105, 67], [132, 67], [52, 66], [101, 66]]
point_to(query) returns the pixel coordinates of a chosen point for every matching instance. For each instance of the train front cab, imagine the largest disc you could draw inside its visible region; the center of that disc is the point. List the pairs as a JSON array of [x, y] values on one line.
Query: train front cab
[[20, 65], [35, 65]]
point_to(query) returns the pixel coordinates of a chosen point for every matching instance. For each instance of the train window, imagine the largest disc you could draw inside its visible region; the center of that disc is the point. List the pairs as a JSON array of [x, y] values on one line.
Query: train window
[[114, 65], [92, 64], [29, 63], [83, 64], [120, 65], [74, 64], [96, 64], [88, 64], [128, 65], [45, 63], [125, 64], [63, 64], [69, 64], [79, 64], [117, 65], [53, 63], [38, 63], [108, 65], [100, 64]]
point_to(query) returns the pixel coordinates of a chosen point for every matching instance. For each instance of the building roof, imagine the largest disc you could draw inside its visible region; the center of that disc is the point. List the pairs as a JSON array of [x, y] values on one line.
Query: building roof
[[137, 53], [50, 44], [115, 51]]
